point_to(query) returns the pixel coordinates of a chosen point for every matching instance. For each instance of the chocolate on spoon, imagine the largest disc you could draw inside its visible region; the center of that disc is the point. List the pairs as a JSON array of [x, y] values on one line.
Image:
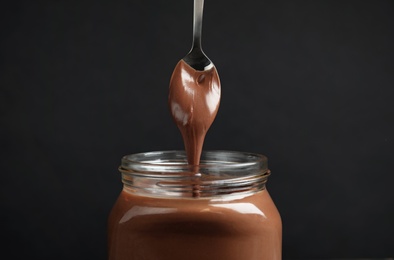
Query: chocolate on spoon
[[194, 92]]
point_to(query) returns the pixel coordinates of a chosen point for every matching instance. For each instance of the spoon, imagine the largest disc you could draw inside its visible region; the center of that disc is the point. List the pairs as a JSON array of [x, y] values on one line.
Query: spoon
[[194, 93], [196, 57]]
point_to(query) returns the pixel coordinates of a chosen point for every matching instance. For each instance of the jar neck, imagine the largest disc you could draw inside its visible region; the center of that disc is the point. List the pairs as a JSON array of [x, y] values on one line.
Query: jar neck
[[166, 174]]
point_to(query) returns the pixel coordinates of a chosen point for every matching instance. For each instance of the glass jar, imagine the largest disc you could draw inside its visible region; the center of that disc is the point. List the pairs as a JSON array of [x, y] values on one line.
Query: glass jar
[[219, 210]]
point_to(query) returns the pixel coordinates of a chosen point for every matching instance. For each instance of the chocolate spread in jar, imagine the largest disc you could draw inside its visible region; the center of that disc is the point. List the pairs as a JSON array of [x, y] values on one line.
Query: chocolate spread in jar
[[246, 228], [194, 99]]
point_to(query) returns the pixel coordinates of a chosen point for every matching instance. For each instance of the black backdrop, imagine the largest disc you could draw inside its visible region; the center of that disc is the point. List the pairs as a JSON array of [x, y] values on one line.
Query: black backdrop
[[307, 83]]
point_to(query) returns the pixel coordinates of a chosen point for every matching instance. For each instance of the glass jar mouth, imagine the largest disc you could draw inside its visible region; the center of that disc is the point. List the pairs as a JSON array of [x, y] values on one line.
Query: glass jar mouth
[[219, 172], [175, 161]]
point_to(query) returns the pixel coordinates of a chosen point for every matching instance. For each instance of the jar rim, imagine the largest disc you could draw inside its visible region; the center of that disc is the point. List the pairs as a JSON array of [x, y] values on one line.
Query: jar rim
[[176, 160], [219, 172]]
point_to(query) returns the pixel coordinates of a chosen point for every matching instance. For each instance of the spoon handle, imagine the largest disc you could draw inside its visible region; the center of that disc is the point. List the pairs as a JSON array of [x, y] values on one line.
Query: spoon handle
[[197, 23]]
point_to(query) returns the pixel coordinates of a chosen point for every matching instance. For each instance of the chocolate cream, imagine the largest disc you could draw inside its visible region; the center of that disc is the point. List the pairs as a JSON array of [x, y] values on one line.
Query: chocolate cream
[[194, 98], [244, 228]]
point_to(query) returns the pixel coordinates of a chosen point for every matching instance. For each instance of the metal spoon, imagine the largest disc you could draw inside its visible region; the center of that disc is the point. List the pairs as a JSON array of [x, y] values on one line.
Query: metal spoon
[[194, 93], [196, 58]]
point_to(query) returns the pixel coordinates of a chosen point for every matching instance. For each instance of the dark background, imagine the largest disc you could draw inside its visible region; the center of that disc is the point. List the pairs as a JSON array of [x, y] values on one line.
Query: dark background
[[307, 83]]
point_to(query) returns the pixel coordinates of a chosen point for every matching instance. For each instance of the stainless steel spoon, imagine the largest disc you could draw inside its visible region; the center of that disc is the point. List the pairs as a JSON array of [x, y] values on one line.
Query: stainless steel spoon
[[194, 93], [196, 58]]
